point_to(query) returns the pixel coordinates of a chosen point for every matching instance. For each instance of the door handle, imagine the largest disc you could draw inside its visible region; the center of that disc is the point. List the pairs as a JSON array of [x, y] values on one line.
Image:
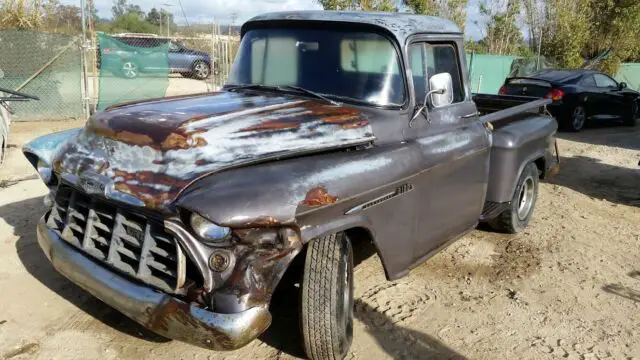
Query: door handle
[[469, 115]]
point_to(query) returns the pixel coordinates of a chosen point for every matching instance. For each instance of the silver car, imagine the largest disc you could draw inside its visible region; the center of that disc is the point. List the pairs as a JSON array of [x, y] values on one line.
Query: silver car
[[6, 96]]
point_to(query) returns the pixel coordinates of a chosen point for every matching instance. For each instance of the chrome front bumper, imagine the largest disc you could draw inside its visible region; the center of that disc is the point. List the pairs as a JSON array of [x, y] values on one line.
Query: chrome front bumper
[[158, 312]]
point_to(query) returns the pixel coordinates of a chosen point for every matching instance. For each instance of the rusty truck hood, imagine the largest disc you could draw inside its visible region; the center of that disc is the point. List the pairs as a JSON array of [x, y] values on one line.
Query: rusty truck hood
[[150, 151]]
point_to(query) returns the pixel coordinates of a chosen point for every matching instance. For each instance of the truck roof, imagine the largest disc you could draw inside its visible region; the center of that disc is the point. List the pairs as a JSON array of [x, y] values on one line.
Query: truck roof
[[401, 25]]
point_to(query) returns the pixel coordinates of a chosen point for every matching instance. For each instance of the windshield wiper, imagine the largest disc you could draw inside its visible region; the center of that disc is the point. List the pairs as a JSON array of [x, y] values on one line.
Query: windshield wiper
[[283, 88], [250, 87], [312, 93]]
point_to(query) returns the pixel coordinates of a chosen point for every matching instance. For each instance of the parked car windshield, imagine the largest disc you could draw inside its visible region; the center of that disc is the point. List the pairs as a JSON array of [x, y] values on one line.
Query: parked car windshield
[[348, 65]]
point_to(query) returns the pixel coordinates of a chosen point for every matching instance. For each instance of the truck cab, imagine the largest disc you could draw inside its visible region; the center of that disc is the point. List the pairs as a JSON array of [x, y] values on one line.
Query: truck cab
[[185, 212]]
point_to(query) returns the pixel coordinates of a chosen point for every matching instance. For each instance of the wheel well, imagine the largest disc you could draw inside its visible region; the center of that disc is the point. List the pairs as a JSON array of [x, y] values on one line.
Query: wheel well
[[540, 164]]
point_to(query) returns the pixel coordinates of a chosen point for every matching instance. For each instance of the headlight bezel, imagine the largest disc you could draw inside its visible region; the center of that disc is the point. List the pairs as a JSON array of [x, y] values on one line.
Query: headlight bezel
[[208, 232]]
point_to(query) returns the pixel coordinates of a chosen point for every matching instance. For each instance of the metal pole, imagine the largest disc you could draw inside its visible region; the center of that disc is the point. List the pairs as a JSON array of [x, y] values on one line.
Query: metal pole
[[160, 21], [83, 60], [539, 48]]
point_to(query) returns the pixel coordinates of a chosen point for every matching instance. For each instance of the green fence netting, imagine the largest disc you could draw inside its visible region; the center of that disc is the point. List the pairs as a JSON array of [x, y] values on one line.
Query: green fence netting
[[131, 69], [46, 65], [629, 73]]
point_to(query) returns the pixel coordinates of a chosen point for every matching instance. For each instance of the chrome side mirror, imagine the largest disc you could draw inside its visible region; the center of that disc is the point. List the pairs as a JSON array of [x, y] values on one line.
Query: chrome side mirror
[[441, 93]]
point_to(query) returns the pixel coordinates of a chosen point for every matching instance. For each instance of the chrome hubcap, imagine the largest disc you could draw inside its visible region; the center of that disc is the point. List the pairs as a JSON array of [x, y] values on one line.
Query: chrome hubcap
[[578, 117], [130, 69], [525, 199], [202, 70]]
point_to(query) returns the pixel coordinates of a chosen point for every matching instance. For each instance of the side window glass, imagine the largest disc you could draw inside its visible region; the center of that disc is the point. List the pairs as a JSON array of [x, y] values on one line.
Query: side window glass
[[416, 60], [604, 81], [588, 81], [443, 58]]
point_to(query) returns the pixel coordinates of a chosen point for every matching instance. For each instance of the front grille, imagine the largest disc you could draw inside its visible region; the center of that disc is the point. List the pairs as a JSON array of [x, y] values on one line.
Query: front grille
[[125, 241]]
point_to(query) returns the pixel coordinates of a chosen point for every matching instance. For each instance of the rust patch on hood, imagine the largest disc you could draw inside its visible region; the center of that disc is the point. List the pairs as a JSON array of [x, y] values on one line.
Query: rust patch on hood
[[272, 125], [152, 151], [318, 196], [154, 189]]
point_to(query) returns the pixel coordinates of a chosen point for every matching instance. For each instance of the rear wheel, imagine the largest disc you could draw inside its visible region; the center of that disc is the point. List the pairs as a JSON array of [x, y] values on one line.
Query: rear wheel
[[129, 69], [576, 119], [327, 298], [631, 118], [201, 70], [517, 216]]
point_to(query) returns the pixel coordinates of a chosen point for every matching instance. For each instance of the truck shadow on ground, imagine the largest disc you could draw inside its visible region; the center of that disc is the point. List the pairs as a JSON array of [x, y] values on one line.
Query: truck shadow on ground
[[400, 342], [23, 217], [595, 179], [601, 133], [625, 291]]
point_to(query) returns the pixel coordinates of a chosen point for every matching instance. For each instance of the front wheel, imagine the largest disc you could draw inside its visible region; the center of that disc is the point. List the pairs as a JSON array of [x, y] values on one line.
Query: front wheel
[[327, 298], [517, 216]]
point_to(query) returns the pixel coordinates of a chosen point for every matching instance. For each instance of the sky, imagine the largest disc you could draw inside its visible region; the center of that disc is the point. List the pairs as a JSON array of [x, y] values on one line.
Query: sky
[[222, 11]]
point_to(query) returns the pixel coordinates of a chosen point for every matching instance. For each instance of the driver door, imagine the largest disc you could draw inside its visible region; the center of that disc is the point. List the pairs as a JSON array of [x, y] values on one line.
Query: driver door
[[455, 150], [611, 99]]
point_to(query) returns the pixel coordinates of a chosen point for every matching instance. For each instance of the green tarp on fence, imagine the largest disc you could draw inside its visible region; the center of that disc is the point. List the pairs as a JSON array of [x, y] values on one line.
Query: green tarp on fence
[[131, 70]]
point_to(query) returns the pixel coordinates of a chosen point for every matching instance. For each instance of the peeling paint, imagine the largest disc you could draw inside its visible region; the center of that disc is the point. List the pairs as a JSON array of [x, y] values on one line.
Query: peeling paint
[[152, 151]]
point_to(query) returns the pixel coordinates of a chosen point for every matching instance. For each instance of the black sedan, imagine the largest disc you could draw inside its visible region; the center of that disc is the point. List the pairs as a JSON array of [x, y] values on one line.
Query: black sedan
[[578, 96]]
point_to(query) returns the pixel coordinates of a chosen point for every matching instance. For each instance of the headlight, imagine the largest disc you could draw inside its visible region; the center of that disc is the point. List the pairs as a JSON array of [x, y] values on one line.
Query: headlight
[[44, 171], [208, 231]]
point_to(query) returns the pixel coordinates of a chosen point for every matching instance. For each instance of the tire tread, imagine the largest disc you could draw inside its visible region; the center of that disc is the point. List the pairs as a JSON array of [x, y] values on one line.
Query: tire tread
[[320, 285]]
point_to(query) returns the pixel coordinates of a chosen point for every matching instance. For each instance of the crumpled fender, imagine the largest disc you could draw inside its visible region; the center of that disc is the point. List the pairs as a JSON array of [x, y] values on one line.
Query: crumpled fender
[[47, 146]]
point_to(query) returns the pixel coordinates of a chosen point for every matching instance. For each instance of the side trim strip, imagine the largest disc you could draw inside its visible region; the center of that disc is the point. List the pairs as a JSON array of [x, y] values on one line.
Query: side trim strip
[[404, 188]]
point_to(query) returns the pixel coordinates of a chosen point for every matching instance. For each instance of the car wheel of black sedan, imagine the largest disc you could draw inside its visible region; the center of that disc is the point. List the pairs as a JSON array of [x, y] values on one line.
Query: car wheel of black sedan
[[631, 118], [576, 119]]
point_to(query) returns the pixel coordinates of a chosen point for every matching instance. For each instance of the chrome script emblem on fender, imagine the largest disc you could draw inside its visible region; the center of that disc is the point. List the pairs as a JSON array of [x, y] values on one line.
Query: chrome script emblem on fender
[[93, 183]]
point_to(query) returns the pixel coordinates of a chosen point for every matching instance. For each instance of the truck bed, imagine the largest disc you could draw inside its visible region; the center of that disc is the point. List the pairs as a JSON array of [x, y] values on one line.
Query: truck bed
[[502, 109]]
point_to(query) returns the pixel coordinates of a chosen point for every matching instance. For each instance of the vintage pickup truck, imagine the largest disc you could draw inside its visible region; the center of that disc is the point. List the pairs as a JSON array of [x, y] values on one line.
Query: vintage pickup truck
[[184, 212]]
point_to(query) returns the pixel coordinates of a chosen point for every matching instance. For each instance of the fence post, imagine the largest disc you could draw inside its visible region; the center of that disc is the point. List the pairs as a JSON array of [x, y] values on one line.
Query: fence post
[[83, 61]]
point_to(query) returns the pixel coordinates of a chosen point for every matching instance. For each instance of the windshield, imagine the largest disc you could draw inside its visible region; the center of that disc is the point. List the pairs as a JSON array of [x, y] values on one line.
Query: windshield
[[360, 66]]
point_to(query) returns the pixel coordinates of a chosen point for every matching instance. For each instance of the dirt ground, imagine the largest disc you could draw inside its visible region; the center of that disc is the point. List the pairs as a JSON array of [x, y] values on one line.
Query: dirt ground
[[566, 288]]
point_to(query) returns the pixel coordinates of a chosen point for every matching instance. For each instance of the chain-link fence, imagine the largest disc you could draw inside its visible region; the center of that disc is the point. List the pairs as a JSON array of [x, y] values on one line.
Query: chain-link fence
[[125, 67], [45, 65]]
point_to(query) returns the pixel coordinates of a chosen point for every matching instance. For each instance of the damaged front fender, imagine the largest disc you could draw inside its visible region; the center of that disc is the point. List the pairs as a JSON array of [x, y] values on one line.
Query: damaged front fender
[[46, 147]]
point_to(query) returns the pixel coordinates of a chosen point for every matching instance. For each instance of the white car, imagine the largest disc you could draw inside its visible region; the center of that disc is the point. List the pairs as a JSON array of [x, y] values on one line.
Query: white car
[[7, 95]]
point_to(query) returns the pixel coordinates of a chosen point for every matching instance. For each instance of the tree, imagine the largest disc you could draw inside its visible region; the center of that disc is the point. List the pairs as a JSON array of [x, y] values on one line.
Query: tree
[[131, 22], [454, 10], [119, 8], [20, 14], [153, 17], [363, 5], [614, 26], [503, 36]]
